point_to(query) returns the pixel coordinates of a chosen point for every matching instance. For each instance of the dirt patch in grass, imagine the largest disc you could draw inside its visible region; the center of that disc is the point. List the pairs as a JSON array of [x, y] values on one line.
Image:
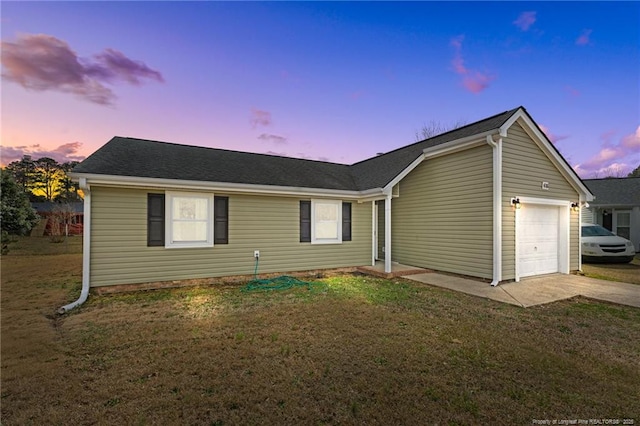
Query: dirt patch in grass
[[623, 272], [362, 350]]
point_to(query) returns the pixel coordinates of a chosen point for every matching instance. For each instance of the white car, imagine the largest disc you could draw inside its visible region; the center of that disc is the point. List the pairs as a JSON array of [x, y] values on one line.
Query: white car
[[601, 245]]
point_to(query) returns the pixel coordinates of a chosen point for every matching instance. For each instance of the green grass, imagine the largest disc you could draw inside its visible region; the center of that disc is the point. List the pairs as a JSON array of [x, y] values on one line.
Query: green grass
[[361, 351], [38, 246], [621, 272]]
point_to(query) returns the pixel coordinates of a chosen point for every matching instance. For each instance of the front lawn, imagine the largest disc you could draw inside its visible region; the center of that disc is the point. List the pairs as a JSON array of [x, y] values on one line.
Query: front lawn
[[359, 350], [624, 272]]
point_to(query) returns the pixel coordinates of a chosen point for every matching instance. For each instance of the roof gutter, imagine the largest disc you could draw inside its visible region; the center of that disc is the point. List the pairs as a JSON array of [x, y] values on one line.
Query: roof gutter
[[147, 182], [86, 238]]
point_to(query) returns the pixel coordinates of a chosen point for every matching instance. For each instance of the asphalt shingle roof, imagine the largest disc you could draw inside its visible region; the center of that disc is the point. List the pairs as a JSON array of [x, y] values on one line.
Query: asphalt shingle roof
[[123, 156], [618, 191]]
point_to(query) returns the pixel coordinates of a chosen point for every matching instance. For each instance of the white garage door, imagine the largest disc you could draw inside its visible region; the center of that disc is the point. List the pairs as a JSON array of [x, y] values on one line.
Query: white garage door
[[538, 240]]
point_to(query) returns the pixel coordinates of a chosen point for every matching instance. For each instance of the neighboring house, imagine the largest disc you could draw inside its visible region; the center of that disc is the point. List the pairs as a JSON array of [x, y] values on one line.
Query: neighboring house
[[493, 199], [616, 206], [50, 212]]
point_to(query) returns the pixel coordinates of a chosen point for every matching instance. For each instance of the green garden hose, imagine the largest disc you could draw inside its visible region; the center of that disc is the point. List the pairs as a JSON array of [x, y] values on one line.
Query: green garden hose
[[282, 282]]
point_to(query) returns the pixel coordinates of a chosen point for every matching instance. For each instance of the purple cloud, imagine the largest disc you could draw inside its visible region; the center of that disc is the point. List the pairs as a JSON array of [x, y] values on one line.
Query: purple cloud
[[552, 136], [259, 118], [358, 94], [267, 137], [62, 154], [616, 159], [583, 40], [42, 62], [525, 20], [572, 91], [473, 81]]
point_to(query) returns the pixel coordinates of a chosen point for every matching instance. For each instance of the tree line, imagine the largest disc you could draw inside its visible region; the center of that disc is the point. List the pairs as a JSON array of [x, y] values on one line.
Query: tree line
[[44, 179], [26, 181]]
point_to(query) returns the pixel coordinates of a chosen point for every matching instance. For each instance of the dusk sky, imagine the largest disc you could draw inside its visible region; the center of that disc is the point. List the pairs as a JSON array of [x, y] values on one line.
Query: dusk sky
[[336, 81]]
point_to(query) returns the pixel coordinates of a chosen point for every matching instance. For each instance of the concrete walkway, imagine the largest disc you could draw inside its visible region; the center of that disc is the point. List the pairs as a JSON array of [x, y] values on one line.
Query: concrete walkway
[[539, 290]]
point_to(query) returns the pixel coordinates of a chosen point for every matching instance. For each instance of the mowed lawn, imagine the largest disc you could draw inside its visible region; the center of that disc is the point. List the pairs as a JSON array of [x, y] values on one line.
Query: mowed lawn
[[354, 350], [625, 272]]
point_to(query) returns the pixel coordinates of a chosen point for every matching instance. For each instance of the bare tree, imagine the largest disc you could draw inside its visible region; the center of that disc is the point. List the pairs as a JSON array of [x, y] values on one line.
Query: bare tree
[[434, 128], [61, 217]]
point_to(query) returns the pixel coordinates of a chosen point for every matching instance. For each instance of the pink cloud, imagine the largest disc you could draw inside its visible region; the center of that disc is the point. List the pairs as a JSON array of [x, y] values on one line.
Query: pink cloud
[[281, 140], [472, 80], [476, 82], [572, 91], [259, 118], [62, 154], [552, 136], [631, 142], [359, 94], [41, 62], [616, 159], [525, 20], [584, 38]]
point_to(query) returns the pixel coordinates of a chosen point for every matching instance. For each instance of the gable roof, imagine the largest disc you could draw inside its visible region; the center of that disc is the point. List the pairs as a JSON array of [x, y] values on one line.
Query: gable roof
[[131, 157], [50, 206], [151, 159], [615, 191], [379, 171]]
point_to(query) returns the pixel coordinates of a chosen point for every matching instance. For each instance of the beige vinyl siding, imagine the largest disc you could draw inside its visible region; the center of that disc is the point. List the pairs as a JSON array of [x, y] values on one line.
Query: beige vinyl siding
[[524, 167], [119, 252], [443, 217], [587, 215]]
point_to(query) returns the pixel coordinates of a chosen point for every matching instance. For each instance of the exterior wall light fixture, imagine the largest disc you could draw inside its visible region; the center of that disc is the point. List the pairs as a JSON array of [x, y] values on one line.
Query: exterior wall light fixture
[[515, 202]]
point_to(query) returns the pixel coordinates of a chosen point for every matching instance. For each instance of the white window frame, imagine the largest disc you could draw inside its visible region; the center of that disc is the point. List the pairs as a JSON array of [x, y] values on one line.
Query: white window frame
[[169, 220], [614, 220], [314, 238]]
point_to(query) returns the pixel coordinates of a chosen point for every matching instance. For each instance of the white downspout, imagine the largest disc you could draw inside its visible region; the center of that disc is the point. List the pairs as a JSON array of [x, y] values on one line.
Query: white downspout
[[387, 232], [497, 209], [580, 203], [86, 238]]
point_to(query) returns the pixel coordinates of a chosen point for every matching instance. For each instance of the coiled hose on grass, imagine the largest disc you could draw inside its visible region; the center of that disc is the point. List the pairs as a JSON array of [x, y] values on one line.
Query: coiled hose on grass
[[282, 282]]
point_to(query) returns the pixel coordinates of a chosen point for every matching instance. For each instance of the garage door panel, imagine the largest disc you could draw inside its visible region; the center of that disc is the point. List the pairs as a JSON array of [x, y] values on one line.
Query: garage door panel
[[538, 240]]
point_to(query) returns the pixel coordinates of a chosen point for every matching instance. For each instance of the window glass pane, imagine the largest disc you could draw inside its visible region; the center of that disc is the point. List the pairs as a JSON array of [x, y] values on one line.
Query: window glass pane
[[326, 212], [189, 231], [188, 208], [326, 230], [624, 219]]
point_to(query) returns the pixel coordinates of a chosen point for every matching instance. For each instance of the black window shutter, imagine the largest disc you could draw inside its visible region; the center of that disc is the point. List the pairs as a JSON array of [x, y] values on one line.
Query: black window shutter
[[346, 221], [305, 221], [221, 220], [155, 220]]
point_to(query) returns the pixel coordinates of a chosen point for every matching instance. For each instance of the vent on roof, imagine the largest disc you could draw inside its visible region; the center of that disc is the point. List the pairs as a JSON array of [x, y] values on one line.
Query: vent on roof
[[379, 153]]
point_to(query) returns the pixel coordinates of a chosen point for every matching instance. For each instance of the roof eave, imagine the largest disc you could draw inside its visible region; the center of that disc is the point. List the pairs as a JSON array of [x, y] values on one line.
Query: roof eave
[[147, 182]]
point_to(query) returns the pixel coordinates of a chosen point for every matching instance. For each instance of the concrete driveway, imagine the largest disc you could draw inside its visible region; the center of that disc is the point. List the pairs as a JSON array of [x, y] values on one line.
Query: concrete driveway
[[539, 290]]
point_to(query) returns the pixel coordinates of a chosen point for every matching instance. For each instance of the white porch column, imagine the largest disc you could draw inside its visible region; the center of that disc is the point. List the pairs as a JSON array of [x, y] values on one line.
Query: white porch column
[[374, 233], [387, 233], [497, 208]]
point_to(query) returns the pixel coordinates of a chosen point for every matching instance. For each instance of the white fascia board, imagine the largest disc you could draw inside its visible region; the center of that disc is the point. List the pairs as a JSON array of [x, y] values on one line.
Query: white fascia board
[[144, 182], [544, 142], [378, 196], [545, 201], [439, 150], [388, 188]]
